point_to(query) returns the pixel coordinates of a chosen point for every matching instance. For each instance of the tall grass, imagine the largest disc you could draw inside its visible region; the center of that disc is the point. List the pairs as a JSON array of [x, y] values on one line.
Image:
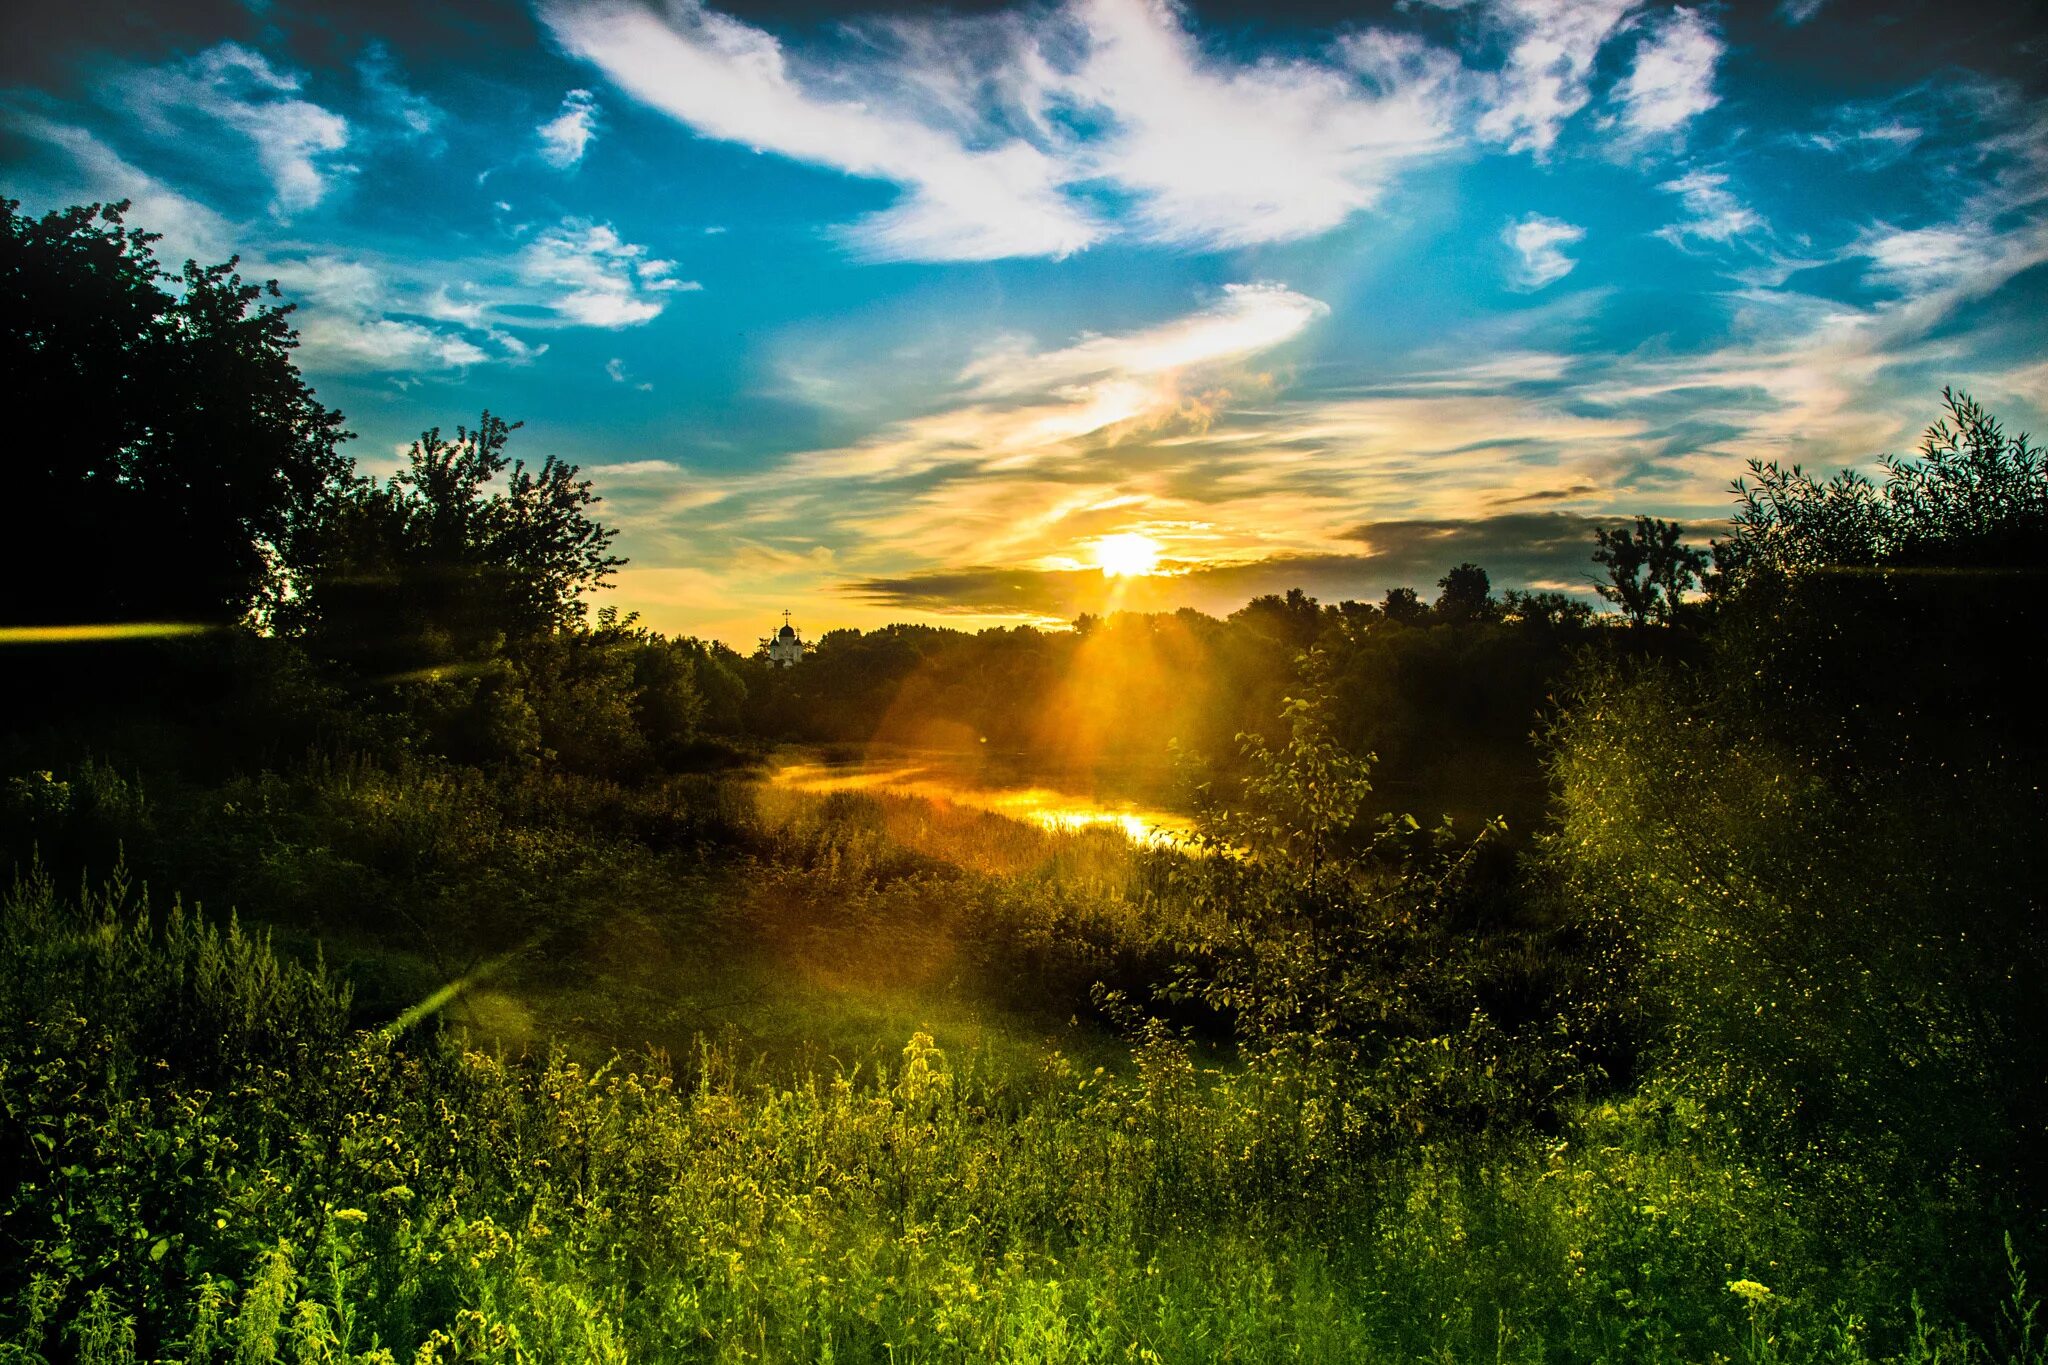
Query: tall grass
[[208, 1163]]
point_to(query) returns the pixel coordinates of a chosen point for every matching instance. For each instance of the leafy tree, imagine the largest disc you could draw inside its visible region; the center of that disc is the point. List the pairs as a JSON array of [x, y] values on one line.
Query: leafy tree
[[1403, 607], [1545, 610], [1301, 799], [1295, 620], [1975, 497], [1816, 847], [466, 555], [1467, 596], [164, 451], [1649, 568]]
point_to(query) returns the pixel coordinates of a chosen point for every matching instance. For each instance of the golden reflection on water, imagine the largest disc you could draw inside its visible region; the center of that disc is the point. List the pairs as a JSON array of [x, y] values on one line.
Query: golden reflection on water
[[1056, 811]]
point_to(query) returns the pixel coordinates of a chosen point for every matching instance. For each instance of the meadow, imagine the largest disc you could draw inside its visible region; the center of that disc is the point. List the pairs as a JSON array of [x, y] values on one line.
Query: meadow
[[854, 1077]]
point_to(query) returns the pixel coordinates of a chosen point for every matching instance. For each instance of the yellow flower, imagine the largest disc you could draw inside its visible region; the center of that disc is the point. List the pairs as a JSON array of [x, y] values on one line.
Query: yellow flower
[[1750, 1292]]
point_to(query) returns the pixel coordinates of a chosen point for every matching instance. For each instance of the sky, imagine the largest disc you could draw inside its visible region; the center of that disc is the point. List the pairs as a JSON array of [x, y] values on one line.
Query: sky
[[907, 313]]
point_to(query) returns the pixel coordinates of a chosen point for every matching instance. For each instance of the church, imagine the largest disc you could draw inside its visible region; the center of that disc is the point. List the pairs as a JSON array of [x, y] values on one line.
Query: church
[[785, 647]]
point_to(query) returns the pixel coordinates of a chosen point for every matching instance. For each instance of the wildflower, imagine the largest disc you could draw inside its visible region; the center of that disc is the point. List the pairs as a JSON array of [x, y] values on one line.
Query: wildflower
[[1750, 1292]]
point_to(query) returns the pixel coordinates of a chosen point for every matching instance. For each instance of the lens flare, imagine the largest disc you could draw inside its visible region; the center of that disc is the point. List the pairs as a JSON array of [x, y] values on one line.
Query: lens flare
[[1127, 555]]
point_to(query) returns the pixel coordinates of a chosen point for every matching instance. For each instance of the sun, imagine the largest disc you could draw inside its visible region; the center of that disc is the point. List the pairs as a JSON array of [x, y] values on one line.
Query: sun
[[1127, 555]]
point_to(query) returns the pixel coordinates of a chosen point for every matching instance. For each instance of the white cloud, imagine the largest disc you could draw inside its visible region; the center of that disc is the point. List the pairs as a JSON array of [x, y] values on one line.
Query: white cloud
[[1716, 214], [1227, 154], [360, 315], [1874, 139], [991, 469], [1539, 244], [1672, 81], [1246, 320], [94, 172], [734, 82], [1004, 132], [593, 277], [364, 311], [1798, 11], [1964, 258], [615, 369], [295, 140], [1552, 45], [565, 137]]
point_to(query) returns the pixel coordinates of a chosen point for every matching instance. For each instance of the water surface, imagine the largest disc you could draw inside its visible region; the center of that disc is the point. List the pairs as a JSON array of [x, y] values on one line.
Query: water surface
[[945, 780]]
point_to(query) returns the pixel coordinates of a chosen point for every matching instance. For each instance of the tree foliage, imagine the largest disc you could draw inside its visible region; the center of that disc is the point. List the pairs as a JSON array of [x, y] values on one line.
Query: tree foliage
[[462, 556], [163, 451], [1300, 799], [1466, 595], [1817, 847], [1649, 567], [1975, 497]]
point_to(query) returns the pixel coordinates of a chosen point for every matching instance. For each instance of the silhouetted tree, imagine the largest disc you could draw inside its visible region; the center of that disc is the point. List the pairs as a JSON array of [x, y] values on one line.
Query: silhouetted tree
[[1815, 843], [1545, 610], [1649, 568], [1467, 595], [163, 450], [1975, 497], [1295, 619], [433, 568], [1403, 607]]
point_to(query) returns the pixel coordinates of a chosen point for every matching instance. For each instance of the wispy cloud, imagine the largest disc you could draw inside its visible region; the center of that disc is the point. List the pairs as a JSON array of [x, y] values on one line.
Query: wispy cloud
[[1022, 460], [615, 370], [416, 117], [1221, 153], [1672, 81], [1003, 136], [1538, 243], [734, 82], [1246, 320], [88, 169], [1713, 211], [1875, 137], [565, 137], [593, 277], [349, 322], [364, 310], [1551, 49], [296, 141], [1542, 548]]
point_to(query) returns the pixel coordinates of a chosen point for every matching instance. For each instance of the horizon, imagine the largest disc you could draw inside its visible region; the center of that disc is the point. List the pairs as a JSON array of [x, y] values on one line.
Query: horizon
[[1000, 315]]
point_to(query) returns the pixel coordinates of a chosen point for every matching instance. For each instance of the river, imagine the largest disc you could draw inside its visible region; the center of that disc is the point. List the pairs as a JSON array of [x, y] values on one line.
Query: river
[[948, 780]]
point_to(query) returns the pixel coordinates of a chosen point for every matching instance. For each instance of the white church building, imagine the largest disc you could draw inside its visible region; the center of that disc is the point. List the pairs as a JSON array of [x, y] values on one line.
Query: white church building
[[785, 647]]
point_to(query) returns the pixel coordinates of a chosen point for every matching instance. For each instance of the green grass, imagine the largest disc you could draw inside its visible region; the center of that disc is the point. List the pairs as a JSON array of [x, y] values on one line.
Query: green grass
[[828, 1078], [211, 1164]]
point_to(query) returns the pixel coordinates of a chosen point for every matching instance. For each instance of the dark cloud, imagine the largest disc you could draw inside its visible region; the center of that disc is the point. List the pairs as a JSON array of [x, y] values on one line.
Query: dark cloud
[[1517, 550], [50, 44], [41, 41], [1577, 490]]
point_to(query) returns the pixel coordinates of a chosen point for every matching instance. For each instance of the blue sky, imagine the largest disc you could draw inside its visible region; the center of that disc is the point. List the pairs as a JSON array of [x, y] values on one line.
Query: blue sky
[[889, 314]]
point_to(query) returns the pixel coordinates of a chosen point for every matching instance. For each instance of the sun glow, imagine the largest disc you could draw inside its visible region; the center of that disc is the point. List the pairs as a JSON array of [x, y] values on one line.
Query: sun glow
[[1127, 555]]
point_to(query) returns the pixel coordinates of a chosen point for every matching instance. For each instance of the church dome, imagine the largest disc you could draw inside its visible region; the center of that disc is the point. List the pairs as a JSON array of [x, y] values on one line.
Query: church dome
[[786, 633]]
